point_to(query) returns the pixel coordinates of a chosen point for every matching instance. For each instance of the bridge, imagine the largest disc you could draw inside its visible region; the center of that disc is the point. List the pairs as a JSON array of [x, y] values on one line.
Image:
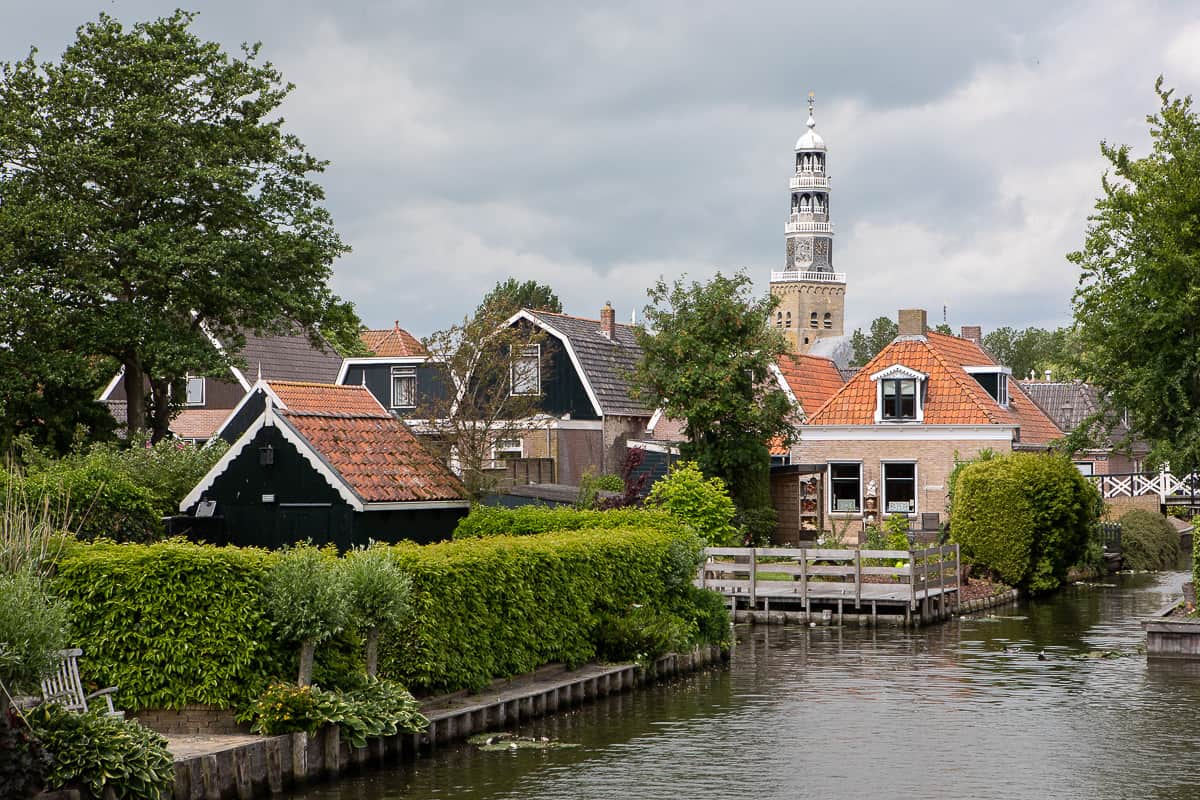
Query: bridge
[[1169, 488]]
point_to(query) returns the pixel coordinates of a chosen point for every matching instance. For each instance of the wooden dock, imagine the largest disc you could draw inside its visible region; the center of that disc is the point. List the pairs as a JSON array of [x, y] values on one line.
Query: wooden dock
[[923, 585]]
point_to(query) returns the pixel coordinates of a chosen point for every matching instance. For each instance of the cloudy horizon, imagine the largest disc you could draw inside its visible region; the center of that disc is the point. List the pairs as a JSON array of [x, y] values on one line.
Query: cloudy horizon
[[597, 149]]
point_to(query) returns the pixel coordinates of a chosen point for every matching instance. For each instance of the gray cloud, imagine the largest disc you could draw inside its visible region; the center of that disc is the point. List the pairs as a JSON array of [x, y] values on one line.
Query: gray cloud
[[598, 148]]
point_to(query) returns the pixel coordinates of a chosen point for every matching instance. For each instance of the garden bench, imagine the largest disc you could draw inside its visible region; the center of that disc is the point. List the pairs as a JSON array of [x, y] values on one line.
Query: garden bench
[[65, 687]]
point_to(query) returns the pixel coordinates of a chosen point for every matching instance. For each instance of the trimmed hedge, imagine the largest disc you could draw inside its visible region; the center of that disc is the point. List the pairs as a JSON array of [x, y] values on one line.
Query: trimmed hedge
[[171, 623], [1026, 517], [1148, 541], [500, 606], [486, 521]]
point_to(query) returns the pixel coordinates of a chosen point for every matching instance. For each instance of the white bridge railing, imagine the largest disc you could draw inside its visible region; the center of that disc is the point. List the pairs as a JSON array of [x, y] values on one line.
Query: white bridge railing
[[812, 276], [1138, 484]]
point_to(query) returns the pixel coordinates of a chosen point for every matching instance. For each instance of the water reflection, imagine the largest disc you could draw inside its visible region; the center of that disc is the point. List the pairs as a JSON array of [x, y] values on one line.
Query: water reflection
[[963, 709]]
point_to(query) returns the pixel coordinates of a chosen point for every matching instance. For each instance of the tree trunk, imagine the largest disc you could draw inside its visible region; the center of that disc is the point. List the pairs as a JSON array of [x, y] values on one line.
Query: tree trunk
[[159, 418], [307, 647], [135, 397], [372, 651]]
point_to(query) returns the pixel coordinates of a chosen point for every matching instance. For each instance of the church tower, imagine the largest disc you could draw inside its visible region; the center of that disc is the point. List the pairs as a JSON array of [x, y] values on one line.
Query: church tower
[[811, 295]]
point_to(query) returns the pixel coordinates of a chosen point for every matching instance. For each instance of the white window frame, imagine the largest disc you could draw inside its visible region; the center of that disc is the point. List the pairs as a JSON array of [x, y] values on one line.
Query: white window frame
[[403, 373], [829, 473], [899, 372], [187, 390], [506, 445], [883, 481], [1003, 376], [529, 352], [1086, 468]]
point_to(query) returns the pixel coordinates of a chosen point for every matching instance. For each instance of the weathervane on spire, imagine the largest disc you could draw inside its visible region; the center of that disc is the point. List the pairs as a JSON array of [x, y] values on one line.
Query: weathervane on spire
[[812, 123]]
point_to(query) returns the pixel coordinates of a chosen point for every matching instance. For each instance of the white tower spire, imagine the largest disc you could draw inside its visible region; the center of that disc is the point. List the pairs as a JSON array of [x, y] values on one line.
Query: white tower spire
[[809, 231]]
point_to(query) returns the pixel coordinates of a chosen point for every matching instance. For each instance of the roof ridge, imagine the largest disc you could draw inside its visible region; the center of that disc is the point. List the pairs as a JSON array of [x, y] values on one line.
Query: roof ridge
[[337, 414], [313, 383], [576, 316]]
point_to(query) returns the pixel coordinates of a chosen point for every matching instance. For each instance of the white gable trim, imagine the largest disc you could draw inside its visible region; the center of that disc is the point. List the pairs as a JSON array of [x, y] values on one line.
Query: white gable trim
[[655, 418], [787, 390], [566, 343], [905, 432], [237, 373], [898, 371], [258, 385], [222, 464], [370, 361], [113, 384]]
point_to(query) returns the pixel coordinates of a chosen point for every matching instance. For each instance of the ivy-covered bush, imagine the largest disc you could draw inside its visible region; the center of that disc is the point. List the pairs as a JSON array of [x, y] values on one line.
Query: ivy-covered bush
[[1025, 517], [1148, 541], [700, 502], [377, 708], [171, 623], [526, 520], [500, 606], [95, 752]]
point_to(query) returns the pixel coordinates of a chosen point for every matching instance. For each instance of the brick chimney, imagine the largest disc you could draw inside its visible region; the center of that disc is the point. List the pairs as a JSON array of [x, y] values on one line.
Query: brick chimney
[[912, 322], [608, 321], [972, 333]]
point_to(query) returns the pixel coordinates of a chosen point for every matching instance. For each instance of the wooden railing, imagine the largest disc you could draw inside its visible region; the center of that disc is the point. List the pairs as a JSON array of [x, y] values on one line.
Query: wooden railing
[[1137, 484], [828, 574]]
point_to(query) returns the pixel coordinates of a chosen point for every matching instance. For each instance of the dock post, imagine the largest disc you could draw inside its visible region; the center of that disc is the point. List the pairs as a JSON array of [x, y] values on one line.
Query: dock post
[[753, 580], [857, 579]]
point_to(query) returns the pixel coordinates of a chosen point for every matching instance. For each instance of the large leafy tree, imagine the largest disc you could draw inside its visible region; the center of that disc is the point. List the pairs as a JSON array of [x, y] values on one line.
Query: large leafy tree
[[510, 296], [707, 353], [1137, 306], [1032, 351], [150, 197], [867, 345]]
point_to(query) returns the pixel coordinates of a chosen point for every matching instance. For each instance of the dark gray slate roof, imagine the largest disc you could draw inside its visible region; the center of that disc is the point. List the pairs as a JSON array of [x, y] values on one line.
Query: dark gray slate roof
[[289, 357], [607, 364], [1069, 403]]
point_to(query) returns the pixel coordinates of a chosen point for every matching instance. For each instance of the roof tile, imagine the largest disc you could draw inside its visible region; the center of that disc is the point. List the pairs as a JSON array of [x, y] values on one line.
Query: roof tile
[[394, 342], [307, 397]]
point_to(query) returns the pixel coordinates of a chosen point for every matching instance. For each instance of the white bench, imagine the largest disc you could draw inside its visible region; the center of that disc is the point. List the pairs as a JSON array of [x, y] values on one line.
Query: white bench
[[66, 689]]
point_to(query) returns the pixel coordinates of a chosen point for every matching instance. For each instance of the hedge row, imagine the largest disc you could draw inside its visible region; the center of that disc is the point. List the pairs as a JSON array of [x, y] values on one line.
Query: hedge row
[[172, 623], [1026, 517], [1148, 541], [501, 606], [175, 623], [484, 521]]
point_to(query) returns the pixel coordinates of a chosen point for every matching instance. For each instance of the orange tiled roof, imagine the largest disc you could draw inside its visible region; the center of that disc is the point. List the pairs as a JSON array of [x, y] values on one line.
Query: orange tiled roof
[[812, 379], [327, 398], [198, 423], [377, 456], [952, 396], [394, 342]]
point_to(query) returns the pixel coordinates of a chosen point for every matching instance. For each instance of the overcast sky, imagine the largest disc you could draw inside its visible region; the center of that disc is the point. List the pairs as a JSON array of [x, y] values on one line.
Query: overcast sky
[[597, 147]]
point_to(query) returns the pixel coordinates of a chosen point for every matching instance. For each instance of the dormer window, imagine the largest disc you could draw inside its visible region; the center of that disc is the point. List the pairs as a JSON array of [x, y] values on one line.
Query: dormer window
[[195, 391], [994, 380], [899, 394]]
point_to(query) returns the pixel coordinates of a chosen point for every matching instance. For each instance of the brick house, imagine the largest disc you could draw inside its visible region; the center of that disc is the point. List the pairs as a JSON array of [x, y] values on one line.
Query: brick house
[[1069, 403], [890, 436]]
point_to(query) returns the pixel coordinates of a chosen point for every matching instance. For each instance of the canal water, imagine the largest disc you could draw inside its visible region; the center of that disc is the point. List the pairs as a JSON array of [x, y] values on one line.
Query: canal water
[[963, 709]]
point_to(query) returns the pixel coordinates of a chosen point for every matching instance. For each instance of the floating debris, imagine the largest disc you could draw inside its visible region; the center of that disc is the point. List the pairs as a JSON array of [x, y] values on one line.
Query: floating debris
[[1092, 655], [503, 740]]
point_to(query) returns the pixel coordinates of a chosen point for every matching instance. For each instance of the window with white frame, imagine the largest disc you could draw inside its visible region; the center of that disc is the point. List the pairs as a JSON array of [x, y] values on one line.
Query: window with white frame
[[1085, 467], [899, 394], [845, 486], [195, 390], [527, 371], [994, 380], [404, 387], [508, 448], [899, 487]]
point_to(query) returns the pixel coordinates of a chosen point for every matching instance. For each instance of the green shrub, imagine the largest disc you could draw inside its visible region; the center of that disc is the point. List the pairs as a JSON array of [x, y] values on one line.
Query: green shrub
[[756, 526], [99, 752], [501, 606], [306, 600], [33, 628], [642, 634], [709, 611], [378, 591], [378, 708], [24, 763], [1025, 517], [591, 485], [101, 502], [700, 502], [527, 520], [1148, 541], [171, 623]]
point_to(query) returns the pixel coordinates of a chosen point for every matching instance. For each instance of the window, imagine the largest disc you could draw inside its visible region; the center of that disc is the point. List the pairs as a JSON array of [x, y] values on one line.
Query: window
[[789, 320], [778, 319], [828, 320], [845, 487], [1085, 467], [527, 371], [508, 449], [195, 390], [404, 387], [812, 320], [994, 380], [899, 398], [899, 487]]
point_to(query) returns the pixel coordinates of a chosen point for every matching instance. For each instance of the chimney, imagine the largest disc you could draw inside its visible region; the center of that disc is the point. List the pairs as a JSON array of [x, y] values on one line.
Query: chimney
[[1047, 376], [608, 321], [972, 333], [912, 322]]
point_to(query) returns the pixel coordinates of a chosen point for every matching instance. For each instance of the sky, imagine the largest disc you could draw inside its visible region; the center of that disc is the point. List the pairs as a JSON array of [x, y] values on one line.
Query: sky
[[600, 147]]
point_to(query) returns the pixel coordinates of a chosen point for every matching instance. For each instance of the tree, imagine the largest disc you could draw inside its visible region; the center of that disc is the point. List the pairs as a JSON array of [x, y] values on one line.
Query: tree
[[707, 353], [481, 356], [1032, 350], [304, 597], [510, 296], [1135, 306], [150, 198], [379, 594], [883, 331]]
